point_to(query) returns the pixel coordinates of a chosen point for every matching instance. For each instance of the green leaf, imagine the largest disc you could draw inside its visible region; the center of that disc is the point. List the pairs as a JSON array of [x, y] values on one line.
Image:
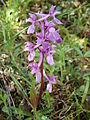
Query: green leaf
[[44, 118], [1, 102], [21, 112], [86, 90], [21, 89], [79, 52], [33, 98], [19, 33], [86, 75], [5, 109], [29, 118], [87, 54]]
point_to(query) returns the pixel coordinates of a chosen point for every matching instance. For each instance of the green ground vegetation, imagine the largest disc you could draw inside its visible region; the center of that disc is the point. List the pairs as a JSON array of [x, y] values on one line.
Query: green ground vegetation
[[70, 99]]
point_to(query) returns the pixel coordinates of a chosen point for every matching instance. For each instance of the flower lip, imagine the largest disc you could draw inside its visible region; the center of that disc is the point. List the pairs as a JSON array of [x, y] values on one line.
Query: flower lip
[[28, 46], [50, 60], [49, 87], [34, 66], [31, 29], [31, 56], [52, 79]]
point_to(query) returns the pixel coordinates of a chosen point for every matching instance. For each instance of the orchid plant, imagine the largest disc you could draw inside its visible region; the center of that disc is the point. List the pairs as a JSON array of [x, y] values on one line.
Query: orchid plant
[[45, 43]]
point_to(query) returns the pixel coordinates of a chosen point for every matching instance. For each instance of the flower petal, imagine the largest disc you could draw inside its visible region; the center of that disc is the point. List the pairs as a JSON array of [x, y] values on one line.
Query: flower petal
[[51, 11], [39, 42], [28, 46], [30, 65], [40, 14], [56, 13], [59, 40], [53, 51], [31, 56], [45, 75], [50, 60], [52, 29], [57, 21], [49, 87], [42, 29], [52, 80], [38, 77], [32, 16], [41, 58], [51, 37], [34, 68], [29, 20], [31, 29], [45, 45], [43, 18]]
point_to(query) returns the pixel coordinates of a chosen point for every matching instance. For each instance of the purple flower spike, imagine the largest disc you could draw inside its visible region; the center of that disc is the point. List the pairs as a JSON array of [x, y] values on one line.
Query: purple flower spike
[[46, 38]]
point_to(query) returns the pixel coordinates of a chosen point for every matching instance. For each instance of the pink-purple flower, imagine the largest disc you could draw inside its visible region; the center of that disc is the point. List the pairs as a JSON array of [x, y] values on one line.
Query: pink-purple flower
[[52, 14], [46, 38]]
